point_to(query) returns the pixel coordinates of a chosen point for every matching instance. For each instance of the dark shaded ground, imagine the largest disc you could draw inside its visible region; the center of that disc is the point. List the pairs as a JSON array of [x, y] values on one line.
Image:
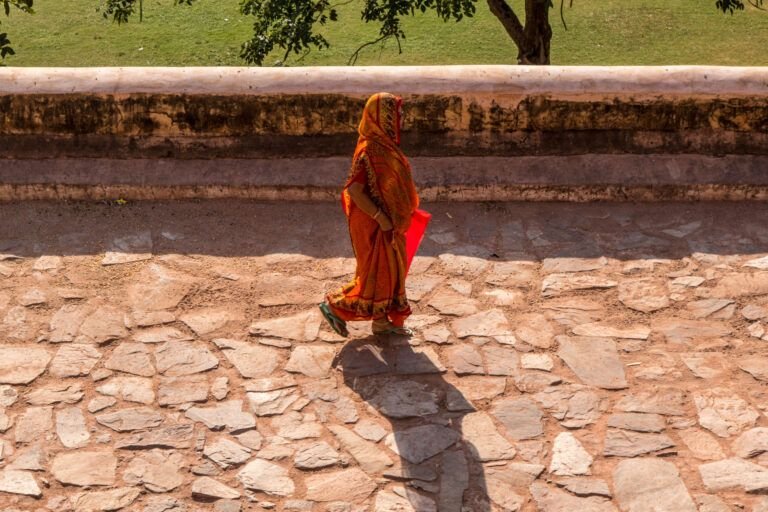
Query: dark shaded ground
[[486, 230]]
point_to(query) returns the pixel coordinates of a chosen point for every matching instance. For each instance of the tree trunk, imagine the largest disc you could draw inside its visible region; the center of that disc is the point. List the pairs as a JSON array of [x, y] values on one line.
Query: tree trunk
[[538, 33], [532, 40]]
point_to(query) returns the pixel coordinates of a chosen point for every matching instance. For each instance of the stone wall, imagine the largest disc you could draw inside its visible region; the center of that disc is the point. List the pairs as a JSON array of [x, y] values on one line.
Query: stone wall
[[190, 130]]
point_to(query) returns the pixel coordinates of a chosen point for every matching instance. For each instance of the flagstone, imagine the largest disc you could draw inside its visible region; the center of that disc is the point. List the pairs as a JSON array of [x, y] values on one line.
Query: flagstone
[[650, 484], [464, 359], [585, 486], [665, 401], [645, 295], [637, 422], [72, 428], [260, 475], [500, 360], [521, 417], [311, 360], [417, 360], [594, 360], [487, 323], [596, 329], [419, 286], [178, 436], [136, 418], [182, 390], [22, 364], [552, 265], [85, 468], [483, 439], [451, 303], [751, 443], [557, 284], [65, 323], [114, 499], [573, 311], [405, 399], [204, 321], [554, 500], [161, 335], [723, 412], [157, 287], [19, 482], [702, 445], [738, 285], [712, 308], [573, 405], [177, 358], [299, 327], [251, 360], [534, 382], [74, 360], [229, 415], [624, 443], [58, 392], [535, 330], [134, 358], [269, 403], [569, 458], [508, 486], [348, 484], [756, 366], [30, 458], [226, 453], [370, 457], [315, 456], [734, 473], [103, 325], [156, 470], [34, 424], [132, 389], [417, 444], [151, 318], [208, 488]]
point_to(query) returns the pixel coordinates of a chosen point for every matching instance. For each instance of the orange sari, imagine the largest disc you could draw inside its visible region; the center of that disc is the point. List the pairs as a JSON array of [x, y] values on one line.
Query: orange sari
[[378, 289]]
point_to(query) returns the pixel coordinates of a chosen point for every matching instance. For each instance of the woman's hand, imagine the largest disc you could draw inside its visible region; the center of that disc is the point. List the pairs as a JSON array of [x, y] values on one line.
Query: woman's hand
[[384, 223], [361, 199]]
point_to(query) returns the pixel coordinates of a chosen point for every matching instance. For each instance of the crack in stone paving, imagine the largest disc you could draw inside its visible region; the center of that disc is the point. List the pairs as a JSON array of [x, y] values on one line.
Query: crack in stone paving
[[168, 356]]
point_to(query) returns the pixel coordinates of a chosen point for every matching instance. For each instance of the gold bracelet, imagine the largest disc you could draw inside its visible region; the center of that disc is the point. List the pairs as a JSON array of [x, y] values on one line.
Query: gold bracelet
[[378, 212]]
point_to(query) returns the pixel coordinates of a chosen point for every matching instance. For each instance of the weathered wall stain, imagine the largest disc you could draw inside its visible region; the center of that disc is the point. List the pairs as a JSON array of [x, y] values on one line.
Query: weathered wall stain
[[316, 125]]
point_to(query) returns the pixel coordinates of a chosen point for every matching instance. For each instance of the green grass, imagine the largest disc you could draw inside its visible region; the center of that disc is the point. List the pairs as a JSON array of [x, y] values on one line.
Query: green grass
[[600, 32]]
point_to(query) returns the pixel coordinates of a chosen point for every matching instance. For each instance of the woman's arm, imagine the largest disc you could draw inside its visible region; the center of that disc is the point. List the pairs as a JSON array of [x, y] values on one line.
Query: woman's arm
[[362, 201]]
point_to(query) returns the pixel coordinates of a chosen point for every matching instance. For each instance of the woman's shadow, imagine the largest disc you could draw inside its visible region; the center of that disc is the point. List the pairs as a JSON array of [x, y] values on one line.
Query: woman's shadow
[[438, 469]]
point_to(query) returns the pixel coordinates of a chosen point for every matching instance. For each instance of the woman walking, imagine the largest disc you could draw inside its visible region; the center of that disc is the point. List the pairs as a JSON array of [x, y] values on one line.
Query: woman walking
[[379, 200]]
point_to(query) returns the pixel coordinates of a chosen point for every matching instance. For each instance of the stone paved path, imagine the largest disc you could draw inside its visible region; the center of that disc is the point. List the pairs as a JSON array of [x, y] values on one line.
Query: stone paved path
[[168, 357]]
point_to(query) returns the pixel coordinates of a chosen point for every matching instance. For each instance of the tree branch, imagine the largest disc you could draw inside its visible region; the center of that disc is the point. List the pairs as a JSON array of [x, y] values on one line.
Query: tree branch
[[353, 58], [509, 20], [562, 14]]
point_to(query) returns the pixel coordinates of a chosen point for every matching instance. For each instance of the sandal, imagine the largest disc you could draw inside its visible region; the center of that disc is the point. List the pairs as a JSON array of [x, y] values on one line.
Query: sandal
[[395, 331], [337, 324]]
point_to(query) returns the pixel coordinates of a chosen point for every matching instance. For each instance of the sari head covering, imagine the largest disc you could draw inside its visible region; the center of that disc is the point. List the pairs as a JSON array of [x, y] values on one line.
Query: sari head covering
[[378, 290]]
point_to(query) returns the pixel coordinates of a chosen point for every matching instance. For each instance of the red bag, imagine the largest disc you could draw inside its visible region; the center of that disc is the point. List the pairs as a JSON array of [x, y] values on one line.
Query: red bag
[[415, 234]]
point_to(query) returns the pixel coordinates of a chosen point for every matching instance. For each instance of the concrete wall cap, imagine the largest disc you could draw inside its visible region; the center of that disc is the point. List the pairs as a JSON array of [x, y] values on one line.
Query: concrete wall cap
[[523, 80]]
